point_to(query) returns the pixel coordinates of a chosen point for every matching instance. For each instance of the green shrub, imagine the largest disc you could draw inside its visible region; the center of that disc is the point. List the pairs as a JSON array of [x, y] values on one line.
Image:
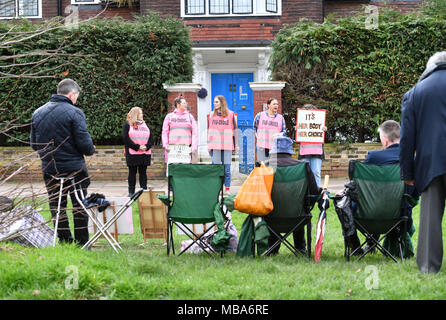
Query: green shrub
[[118, 64], [358, 75]]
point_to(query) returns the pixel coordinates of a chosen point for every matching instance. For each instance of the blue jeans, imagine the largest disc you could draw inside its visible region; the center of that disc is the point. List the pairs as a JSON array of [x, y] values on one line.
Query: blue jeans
[[223, 157], [315, 165]]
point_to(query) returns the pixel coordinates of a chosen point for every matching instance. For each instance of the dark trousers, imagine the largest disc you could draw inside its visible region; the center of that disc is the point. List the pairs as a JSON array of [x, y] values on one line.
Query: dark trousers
[[430, 238], [298, 237], [80, 217], [142, 171]]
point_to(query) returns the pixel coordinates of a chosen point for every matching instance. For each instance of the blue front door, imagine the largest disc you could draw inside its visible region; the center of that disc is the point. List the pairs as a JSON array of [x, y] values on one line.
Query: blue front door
[[235, 88]]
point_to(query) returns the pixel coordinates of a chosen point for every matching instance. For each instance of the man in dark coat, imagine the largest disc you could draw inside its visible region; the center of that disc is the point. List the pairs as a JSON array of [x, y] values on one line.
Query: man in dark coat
[[423, 130], [389, 134], [281, 156], [59, 134]]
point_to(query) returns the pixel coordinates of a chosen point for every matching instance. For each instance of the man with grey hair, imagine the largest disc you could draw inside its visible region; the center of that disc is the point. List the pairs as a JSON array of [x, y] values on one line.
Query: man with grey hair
[[423, 128], [389, 135], [59, 134]]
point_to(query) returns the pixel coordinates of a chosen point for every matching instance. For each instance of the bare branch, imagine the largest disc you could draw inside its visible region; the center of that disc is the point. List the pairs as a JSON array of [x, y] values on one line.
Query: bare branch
[[29, 63]]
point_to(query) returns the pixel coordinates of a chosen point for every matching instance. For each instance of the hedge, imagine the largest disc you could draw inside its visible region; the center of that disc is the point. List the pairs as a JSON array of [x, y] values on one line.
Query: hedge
[[118, 64], [358, 75]]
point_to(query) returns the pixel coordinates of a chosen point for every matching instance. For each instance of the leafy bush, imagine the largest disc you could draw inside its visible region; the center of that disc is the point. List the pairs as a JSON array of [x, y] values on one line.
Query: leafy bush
[[358, 75], [118, 64]]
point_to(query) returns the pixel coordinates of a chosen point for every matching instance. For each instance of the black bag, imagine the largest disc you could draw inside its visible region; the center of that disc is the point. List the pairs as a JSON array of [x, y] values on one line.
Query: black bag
[[344, 210]]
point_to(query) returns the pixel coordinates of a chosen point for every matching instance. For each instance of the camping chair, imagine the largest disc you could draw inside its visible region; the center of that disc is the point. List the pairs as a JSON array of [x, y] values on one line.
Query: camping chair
[[290, 196], [380, 195], [195, 191]]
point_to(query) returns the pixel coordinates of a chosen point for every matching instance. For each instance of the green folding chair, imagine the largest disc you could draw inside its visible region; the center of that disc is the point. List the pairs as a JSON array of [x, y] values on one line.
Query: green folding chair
[[290, 196], [379, 207], [195, 197]]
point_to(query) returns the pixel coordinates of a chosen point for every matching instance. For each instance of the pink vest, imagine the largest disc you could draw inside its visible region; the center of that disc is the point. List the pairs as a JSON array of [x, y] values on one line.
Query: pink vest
[[267, 128], [139, 136], [308, 148], [221, 132], [180, 128]]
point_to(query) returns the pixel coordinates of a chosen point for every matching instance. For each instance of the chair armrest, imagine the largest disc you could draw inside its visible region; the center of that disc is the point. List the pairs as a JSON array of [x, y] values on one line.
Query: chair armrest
[[311, 200], [164, 199], [410, 200]]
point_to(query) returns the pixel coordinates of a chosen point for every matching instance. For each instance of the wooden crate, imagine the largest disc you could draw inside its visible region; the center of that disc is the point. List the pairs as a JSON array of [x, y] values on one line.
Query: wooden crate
[[153, 215]]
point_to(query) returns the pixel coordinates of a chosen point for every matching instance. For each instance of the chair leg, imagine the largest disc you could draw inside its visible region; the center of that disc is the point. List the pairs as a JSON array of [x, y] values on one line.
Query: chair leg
[[309, 239], [401, 249], [346, 249], [168, 237]]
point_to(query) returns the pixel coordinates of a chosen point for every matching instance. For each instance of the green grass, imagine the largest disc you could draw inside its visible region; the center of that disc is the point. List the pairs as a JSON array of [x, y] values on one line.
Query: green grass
[[145, 272]]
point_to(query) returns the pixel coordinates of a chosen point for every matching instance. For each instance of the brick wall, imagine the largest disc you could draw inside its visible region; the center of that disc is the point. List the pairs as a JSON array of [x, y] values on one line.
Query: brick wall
[[108, 163], [293, 11], [350, 8], [261, 97], [191, 98], [49, 10], [338, 156], [164, 7], [232, 29]]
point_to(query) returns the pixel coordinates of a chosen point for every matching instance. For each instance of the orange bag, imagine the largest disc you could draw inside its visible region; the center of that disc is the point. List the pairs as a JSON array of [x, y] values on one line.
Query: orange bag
[[254, 196]]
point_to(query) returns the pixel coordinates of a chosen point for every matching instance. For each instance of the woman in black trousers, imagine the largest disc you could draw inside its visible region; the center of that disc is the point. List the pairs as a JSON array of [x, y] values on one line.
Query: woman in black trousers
[[137, 141]]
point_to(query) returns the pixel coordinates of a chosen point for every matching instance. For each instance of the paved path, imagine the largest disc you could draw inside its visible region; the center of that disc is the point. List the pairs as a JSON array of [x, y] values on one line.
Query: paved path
[[119, 188]]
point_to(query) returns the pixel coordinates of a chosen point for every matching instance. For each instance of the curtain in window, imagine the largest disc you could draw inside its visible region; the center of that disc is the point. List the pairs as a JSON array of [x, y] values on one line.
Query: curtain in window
[[242, 6], [29, 8], [7, 8], [195, 7], [218, 6], [271, 5]]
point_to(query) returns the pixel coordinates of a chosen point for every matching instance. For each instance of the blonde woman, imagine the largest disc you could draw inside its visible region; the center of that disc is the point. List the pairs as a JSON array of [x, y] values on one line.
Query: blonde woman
[[222, 136], [137, 141]]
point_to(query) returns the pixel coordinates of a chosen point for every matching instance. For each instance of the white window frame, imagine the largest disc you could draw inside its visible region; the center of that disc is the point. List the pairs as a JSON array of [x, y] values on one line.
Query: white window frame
[[85, 2], [231, 14], [17, 16], [183, 2]]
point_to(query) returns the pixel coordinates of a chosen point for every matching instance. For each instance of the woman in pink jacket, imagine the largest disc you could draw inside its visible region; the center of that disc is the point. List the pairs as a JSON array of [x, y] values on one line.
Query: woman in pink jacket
[[222, 136], [137, 141], [179, 128]]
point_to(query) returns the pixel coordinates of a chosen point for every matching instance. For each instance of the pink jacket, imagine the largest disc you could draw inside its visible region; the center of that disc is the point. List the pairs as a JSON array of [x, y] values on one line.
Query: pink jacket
[[167, 124]]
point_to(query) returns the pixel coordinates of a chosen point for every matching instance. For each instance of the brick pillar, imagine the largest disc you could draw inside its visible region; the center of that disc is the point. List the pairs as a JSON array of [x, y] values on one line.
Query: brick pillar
[[263, 91], [188, 91]]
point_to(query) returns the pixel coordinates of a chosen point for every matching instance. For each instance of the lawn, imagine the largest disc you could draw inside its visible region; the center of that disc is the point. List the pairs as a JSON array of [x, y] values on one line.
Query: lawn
[[143, 271]]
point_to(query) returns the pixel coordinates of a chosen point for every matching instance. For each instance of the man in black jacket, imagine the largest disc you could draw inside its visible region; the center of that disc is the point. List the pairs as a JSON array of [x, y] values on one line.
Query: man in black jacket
[[59, 134]]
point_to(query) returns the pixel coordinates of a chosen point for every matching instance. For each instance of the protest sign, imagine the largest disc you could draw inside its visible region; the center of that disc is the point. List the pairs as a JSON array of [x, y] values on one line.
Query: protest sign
[[179, 153], [309, 123]]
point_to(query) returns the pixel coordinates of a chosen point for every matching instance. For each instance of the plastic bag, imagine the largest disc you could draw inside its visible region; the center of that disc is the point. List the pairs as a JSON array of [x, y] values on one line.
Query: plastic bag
[[254, 196]]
